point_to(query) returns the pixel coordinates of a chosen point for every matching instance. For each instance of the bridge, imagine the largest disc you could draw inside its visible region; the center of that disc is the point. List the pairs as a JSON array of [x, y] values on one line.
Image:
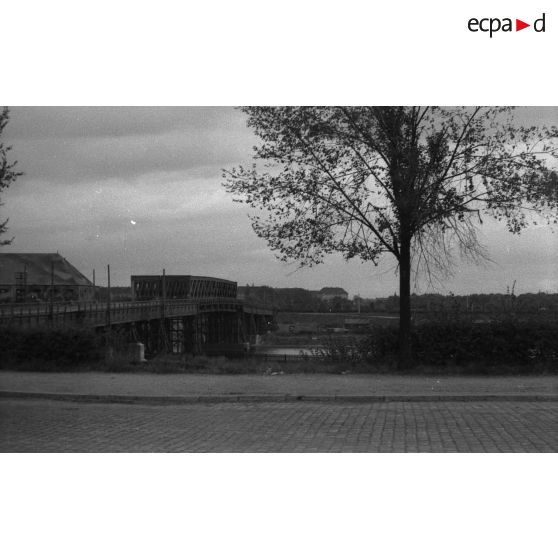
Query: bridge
[[176, 313], [201, 325]]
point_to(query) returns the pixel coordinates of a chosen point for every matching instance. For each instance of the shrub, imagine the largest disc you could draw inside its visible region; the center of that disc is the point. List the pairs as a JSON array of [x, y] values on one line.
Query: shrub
[[337, 349], [461, 343], [51, 346]]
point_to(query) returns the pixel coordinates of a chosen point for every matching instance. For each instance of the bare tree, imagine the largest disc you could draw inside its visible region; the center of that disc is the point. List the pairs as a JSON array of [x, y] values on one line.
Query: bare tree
[[7, 173], [410, 181]]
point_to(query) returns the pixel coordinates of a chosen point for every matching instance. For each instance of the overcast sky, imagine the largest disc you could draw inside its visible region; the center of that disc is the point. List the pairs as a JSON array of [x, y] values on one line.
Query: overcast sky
[[141, 189]]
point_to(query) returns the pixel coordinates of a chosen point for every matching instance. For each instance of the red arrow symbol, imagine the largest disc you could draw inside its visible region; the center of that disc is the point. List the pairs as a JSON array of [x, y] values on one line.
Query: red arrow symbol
[[519, 25]]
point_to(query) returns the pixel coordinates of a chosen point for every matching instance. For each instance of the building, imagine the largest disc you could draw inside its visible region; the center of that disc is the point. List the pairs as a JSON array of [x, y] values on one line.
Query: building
[[41, 277]]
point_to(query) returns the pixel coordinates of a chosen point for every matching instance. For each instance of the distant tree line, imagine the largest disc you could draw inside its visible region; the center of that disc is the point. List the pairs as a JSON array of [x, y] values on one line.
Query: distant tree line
[[302, 300], [486, 303], [293, 300]]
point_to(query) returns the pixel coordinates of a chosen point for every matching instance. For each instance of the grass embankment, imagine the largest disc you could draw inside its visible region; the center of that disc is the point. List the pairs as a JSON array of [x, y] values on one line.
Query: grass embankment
[[175, 364], [180, 364]]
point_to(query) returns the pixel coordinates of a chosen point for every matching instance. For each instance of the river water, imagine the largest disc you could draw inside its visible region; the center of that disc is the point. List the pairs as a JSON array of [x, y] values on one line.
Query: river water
[[290, 351]]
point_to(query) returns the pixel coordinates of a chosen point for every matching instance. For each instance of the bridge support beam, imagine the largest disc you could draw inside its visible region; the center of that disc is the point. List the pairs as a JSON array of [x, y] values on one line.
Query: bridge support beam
[[222, 332]]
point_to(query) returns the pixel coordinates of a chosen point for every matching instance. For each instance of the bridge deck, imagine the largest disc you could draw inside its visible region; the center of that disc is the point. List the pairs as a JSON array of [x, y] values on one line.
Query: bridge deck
[[96, 314]]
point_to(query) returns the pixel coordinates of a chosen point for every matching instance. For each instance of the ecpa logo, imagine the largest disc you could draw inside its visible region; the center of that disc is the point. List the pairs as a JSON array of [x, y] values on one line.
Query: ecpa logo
[[492, 25]]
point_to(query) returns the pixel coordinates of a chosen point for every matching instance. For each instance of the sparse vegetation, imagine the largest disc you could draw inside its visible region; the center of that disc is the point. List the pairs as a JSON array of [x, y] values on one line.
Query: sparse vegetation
[[8, 174], [448, 348]]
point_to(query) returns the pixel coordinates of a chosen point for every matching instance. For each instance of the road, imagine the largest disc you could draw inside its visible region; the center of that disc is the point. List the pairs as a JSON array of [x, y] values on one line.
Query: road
[[49, 426]]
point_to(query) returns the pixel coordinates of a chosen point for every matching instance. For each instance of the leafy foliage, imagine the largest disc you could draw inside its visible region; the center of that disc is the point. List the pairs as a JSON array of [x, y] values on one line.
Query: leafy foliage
[[460, 343], [354, 179], [7, 173], [409, 181], [58, 346]]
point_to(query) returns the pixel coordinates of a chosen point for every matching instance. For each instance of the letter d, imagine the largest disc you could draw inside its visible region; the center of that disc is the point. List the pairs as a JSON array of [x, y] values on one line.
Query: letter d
[[535, 25]]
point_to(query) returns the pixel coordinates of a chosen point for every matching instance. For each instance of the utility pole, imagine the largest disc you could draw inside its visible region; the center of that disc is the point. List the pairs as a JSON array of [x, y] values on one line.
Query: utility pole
[[163, 300], [164, 294], [108, 296], [109, 349], [25, 283], [51, 305]]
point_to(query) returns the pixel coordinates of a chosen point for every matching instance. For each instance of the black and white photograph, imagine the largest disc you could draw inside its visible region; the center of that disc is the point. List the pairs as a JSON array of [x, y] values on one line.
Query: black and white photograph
[[278, 279]]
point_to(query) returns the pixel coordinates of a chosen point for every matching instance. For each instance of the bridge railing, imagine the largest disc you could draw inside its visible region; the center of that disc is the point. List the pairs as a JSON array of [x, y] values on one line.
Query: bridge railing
[[97, 313]]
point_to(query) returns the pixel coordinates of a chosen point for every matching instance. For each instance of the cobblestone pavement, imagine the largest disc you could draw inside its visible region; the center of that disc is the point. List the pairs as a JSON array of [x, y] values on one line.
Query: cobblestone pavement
[[48, 426]]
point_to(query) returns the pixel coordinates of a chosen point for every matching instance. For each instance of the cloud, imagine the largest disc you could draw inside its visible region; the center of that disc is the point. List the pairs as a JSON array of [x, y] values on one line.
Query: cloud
[[104, 122], [70, 145], [90, 172], [163, 200]]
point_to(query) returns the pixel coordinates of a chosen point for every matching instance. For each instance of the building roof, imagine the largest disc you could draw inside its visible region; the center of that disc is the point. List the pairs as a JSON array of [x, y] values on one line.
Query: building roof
[[38, 268]]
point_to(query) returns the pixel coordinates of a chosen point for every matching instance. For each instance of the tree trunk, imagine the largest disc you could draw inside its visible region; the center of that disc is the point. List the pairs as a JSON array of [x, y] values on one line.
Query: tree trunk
[[405, 356]]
